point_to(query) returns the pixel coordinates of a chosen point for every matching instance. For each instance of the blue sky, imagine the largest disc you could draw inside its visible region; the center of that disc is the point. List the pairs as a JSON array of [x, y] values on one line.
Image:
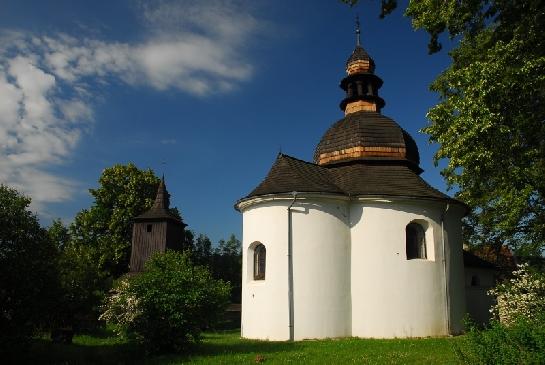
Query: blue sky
[[207, 92]]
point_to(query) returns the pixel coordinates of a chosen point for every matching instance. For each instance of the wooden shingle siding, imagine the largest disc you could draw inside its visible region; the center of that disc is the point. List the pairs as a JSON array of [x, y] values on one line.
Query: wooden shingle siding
[[362, 151], [146, 243]]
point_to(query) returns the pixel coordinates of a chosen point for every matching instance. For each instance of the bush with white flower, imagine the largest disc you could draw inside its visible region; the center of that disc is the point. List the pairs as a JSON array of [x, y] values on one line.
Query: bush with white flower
[[521, 297], [166, 307], [121, 307]]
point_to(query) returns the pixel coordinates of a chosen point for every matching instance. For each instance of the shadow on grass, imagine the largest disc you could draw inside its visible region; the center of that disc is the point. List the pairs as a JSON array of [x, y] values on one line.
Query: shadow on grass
[[227, 343], [43, 351]]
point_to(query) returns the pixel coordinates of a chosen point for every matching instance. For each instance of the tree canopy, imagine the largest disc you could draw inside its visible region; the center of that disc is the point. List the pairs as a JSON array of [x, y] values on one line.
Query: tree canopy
[[490, 119], [28, 276]]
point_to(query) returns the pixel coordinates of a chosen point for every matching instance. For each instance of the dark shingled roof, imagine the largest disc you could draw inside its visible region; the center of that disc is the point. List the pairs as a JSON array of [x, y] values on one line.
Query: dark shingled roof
[[471, 260], [359, 54], [369, 129], [289, 174], [379, 179], [160, 208]]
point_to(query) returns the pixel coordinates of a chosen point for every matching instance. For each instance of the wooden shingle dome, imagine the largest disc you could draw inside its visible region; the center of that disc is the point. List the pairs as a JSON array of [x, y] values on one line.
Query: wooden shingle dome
[[365, 135]]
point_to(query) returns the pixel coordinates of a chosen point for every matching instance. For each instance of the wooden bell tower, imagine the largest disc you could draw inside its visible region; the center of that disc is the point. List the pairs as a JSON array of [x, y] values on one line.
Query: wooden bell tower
[[155, 231]]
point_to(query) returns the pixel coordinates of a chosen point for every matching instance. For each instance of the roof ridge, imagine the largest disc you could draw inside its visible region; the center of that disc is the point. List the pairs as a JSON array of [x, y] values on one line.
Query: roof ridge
[[297, 159]]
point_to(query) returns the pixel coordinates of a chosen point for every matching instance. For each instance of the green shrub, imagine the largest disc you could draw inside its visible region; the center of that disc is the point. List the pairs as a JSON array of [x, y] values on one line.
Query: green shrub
[[522, 342], [166, 306]]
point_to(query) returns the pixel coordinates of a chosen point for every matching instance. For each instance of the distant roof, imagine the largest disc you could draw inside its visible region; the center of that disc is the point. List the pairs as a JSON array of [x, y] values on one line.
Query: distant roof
[[471, 260], [160, 209], [290, 174]]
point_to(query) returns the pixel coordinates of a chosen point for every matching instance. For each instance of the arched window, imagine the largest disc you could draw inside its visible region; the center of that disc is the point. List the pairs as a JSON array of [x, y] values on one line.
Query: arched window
[[416, 241], [260, 258]]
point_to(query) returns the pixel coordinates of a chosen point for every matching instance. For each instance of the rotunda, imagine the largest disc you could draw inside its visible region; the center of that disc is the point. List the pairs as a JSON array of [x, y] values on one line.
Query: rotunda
[[355, 243]]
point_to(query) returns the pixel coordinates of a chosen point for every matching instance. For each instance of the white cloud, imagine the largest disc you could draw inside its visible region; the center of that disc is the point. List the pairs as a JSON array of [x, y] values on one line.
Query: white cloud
[[46, 81]]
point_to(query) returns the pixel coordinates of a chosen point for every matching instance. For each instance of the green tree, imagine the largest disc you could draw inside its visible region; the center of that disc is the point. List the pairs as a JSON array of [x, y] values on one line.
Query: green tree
[[490, 120], [124, 192], [231, 247], [227, 265], [58, 234], [82, 284], [168, 304], [202, 251], [28, 276]]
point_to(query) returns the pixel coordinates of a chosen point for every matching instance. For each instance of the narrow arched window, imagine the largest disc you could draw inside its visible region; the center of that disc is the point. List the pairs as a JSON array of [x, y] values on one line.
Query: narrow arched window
[[260, 259], [415, 241]]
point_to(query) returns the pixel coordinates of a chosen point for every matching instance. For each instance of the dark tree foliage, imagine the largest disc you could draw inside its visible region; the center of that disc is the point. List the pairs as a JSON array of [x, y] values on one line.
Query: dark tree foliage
[[386, 6], [202, 251], [227, 265], [59, 234], [28, 276], [223, 261], [82, 283]]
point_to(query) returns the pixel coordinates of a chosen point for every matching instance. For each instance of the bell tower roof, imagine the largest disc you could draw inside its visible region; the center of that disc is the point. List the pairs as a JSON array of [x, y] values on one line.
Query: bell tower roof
[[162, 199], [159, 211]]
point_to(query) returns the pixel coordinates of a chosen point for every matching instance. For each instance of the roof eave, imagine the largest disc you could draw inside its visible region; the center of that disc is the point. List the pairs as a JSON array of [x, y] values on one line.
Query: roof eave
[[254, 199], [251, 200]]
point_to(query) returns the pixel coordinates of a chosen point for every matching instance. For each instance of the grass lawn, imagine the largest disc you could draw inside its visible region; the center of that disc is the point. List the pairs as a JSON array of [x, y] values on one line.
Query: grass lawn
[[228, 348]]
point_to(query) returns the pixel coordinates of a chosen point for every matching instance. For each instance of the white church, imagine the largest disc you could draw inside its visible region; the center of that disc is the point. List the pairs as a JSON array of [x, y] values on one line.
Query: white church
[[355, 243]]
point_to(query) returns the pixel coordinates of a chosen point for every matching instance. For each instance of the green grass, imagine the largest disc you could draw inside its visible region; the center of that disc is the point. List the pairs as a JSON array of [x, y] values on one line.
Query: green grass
[[228, 348]]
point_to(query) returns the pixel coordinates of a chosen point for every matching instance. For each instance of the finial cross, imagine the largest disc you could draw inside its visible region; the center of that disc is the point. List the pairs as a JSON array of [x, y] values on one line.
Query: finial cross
[[358, 43]]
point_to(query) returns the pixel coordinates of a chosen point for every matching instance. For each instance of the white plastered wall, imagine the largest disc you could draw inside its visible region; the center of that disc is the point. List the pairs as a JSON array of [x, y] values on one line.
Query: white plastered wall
[[455, 267], [393, 296], [265, 302], [321, 269], [351, 275]]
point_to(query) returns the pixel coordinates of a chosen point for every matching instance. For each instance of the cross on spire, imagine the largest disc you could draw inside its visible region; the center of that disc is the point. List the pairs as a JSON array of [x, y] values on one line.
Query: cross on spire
[[358, 43]]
